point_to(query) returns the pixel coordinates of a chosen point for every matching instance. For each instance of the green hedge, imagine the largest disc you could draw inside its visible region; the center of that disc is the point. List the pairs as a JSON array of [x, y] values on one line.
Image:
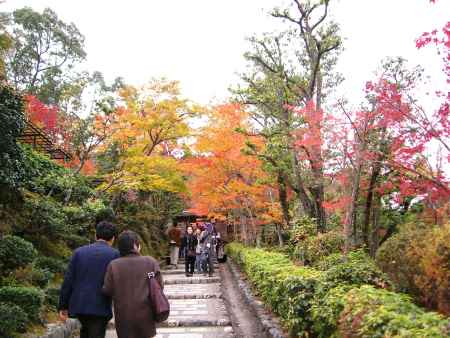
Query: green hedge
[[15, 252], [30, 300], [51, 264], [332, 302], [371, 312], [12, 319]]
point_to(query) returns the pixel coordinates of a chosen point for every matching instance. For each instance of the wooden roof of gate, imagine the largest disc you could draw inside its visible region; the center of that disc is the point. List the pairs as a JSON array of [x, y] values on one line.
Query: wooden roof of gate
[[38, 139]]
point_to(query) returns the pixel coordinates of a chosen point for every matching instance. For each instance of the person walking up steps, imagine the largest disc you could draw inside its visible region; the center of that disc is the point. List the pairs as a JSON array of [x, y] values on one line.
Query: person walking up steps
[[189, 245], [126, 281], [175, 243], [198, 250], [207, 249], [81, 293]]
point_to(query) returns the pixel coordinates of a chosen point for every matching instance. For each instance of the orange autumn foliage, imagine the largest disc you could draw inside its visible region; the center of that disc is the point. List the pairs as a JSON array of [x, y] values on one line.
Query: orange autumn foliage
[[222, 178]]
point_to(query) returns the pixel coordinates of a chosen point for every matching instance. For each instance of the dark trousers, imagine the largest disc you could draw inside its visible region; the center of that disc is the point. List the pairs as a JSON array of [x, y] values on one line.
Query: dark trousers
[[92, 326], [207, 262], [189, 264]]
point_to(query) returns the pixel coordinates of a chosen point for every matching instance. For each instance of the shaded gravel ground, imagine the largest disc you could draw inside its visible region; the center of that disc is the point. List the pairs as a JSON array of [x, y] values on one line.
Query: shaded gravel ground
[[244, 321]]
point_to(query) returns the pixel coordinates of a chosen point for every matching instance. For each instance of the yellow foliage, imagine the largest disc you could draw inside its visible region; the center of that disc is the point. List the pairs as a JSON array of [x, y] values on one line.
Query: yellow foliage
[[147, 127]]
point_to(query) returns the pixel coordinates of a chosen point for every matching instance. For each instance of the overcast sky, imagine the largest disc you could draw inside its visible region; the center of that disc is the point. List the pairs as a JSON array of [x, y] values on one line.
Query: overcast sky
[[201, 42]]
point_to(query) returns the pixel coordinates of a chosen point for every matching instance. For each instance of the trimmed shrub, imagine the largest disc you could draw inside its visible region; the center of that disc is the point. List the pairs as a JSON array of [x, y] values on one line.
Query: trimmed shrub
[[314, 248], [336, 302], [326, 310], [52, 264], [309, 246], [75, 241], [15, 252], [30, 300], [12, 319], [289, 290], [370, 312], [32, 276], [356, 268]]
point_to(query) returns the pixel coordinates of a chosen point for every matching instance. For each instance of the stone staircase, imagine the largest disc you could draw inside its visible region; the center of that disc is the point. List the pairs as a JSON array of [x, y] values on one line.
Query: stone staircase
[[197, 307]]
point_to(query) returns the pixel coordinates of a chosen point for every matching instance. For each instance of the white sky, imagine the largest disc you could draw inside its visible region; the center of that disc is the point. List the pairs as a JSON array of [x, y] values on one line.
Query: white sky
[[201, 42]]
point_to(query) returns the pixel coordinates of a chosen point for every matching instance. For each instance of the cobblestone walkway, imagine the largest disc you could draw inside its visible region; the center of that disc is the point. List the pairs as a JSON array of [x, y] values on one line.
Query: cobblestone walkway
[[197, 307]]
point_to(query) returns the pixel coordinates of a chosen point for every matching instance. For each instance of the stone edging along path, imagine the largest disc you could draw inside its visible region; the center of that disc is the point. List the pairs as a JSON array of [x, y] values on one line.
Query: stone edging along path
[[268, 321], [61, 330]]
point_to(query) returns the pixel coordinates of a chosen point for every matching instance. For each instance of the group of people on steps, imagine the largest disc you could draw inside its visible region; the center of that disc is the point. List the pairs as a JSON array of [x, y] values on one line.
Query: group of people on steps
[[98, 275], [197, 246]]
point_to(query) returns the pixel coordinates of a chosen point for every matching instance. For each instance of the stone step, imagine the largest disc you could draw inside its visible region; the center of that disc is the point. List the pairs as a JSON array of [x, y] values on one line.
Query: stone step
[[195, 332], [182, 279], [188, 332], [194, 313], [197, 313], [179, 271], [193, 291], [180, 266]]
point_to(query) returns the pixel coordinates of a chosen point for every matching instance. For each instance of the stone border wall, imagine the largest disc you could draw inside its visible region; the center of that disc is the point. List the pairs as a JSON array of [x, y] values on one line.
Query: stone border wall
[[61, 330], [269, 323]]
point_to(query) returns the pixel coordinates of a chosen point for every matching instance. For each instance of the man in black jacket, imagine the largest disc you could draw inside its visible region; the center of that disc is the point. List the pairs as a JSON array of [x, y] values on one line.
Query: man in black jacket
[[81, 293]]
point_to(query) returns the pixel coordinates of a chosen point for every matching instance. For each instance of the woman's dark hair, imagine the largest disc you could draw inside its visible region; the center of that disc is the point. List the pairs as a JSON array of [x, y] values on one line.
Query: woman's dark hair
[[126, 242], [105, 230]]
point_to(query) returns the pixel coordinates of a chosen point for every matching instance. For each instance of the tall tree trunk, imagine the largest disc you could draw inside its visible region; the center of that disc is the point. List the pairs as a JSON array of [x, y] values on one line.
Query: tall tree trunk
[[279, 234], [282, 195], [368, 209], [349, 224], [375, 235], [306, 202]]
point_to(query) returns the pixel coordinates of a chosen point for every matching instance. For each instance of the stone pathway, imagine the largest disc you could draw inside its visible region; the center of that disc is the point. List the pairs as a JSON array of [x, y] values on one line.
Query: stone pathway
[[197, 307]]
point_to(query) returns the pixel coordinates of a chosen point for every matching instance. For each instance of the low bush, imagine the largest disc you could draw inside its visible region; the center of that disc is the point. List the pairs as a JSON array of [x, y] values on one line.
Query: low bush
[[356, 268], [75, 241], [30, 300], [335, 302], [12, 319], [54, 265], [326, 310], [393, 258], [309, 246], [371, 312], [417, 259], [314, 248], [32, 276], [15, 252]]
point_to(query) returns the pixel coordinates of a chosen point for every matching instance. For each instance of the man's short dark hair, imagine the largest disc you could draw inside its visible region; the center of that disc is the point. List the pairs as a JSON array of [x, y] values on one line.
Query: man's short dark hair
[[127, 240], [105, 230]]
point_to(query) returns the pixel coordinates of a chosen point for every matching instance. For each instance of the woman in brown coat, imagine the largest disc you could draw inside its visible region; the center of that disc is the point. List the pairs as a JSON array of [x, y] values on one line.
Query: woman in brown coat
[[127, 283]]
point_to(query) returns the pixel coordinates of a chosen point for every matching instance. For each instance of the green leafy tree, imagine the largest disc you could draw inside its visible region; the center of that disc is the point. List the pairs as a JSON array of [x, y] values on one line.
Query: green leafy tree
[[45, 52], [12, 120], [293, 69]]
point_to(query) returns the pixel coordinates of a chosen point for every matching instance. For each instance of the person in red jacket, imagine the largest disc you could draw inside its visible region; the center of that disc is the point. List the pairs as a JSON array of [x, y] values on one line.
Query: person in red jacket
[[175, 243]]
